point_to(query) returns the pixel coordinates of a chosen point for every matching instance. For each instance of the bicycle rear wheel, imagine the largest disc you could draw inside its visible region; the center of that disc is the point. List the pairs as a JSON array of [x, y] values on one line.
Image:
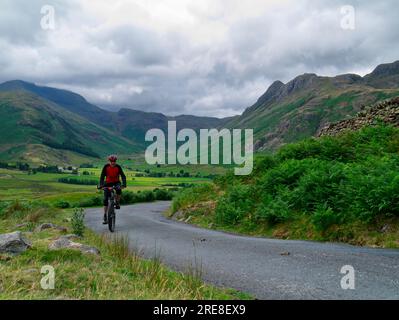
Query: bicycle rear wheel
[[111, 216]]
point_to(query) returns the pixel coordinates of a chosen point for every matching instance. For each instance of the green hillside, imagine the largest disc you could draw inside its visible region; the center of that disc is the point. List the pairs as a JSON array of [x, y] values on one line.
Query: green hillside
[[127, 123], [68, 100], [35, 130], [343, 188]]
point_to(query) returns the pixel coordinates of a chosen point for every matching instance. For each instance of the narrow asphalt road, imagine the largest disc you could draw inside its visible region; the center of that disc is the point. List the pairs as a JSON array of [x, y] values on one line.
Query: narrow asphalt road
[[258, 266]]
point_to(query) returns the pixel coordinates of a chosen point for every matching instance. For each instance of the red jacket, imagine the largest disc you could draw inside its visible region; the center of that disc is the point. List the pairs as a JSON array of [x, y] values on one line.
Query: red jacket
[[111, 175]]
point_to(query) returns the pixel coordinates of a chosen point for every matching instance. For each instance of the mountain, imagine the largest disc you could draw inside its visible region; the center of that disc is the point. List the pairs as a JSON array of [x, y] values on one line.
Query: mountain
[[300, 108], [36, 130], [130, 123], [48, 125], [71, 101], [133, 124], [384, 76]]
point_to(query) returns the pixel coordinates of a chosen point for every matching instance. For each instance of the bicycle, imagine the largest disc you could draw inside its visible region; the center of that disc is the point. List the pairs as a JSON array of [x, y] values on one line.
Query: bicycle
[[110, 215]]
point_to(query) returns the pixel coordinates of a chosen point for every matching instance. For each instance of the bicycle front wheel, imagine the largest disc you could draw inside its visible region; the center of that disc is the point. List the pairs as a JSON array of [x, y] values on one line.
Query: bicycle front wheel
[[111, 217]]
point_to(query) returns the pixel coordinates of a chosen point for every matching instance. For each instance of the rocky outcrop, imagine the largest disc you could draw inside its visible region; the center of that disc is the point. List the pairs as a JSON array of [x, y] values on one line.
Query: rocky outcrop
[[383, 70], [13, 243], [302, 82], [278, 90], [45, 226], [66, 243], [271, 93], [71, 237], [387, 112], [384, 76]]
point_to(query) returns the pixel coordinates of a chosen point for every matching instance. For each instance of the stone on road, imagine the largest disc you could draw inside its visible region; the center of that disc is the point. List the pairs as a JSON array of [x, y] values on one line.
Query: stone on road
[[264, 268]]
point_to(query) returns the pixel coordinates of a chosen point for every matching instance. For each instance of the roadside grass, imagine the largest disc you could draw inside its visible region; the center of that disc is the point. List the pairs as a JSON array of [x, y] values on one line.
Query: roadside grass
[[360, 233], [118, 273]]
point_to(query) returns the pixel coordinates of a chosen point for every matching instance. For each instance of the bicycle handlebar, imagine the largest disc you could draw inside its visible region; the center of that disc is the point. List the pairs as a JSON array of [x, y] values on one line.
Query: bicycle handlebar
[[109, 188]]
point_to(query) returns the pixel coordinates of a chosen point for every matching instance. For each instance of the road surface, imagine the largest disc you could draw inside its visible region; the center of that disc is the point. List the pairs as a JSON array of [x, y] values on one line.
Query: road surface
[[264, 268]]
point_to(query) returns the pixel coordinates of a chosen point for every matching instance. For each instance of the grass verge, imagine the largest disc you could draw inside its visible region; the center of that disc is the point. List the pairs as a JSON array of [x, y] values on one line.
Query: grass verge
[[382, 234], [117, 273]]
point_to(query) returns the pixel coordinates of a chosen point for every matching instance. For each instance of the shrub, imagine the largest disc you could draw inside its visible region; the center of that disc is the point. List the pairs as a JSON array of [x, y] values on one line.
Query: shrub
[[324, 217], [162, 194], [373, 188], [79, 181], [348, 147], [234, 205], [264, 163], [128, 197], [145, 196], [93, 201], [332, 180], [273, 211], [321, 184], [77, 221], [198, 193], [227, 180], [62, 204], [286, 174]]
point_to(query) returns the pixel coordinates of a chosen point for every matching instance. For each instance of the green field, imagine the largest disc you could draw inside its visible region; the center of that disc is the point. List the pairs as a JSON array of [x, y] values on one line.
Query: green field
[[21, 185], [138, 163]]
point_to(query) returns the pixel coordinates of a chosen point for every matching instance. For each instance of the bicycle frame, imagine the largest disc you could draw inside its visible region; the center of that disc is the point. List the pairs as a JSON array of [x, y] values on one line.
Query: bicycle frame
[[111, 208]]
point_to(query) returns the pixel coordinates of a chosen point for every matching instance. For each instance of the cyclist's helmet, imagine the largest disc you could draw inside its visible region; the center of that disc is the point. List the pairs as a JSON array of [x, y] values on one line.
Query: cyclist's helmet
[[112, 158]]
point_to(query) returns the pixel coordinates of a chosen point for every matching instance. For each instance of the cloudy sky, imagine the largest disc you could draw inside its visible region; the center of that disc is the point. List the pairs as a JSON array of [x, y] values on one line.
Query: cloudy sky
[[203, 57]]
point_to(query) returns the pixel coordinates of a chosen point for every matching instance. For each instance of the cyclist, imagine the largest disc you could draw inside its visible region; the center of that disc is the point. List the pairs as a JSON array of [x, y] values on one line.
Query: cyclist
[[111, 172]]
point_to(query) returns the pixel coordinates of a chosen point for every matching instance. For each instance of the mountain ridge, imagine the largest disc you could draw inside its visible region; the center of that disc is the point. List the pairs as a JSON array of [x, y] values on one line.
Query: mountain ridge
[[288, 112], [129, 123], [29, 122]]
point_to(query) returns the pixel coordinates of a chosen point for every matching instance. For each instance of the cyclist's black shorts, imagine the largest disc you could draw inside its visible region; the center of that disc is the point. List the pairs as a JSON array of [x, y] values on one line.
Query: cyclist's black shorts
[[107, 193]]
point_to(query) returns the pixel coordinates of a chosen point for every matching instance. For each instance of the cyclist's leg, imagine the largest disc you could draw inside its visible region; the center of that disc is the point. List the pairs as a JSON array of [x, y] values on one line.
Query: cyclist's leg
[[105, 203], [118, 195]]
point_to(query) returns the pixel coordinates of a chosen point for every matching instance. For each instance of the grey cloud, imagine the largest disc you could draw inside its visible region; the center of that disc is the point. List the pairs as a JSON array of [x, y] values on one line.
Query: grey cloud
[[142, 46], [20, 20], [310, 39], [131, 65]]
